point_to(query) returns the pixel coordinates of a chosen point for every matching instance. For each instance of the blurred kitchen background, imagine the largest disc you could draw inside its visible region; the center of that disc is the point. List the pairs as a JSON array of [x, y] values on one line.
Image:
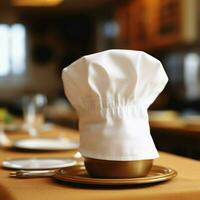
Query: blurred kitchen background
[[38, 38]]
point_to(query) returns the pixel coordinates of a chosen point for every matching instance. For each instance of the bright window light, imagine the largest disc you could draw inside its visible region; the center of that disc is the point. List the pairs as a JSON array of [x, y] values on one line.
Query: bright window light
[[4, 50], [12, 49], [191, 75], [18, 48]]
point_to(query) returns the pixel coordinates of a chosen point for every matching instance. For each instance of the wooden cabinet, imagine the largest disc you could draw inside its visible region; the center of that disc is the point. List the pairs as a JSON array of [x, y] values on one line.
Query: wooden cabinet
[[153, 24], [143, 23], [122, 16]]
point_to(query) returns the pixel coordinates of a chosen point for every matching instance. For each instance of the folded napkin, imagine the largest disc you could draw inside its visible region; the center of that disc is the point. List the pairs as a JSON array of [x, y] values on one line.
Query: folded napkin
[[111, 92]]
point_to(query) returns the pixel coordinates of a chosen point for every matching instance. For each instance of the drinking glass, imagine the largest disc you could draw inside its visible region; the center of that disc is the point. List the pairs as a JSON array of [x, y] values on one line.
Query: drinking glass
[[33, 107]]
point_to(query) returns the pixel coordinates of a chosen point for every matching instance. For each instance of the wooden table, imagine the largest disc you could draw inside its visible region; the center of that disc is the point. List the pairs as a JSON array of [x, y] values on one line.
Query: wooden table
[[185, 186], [177, 136]]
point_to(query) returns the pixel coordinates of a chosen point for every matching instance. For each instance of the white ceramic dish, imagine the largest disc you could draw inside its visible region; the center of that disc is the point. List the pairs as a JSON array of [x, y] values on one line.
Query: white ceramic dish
[[38, 163], [46, 144]]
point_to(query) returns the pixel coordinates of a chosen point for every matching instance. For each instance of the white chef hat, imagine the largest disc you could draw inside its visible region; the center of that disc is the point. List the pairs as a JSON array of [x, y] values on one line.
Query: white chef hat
[[111, 91]]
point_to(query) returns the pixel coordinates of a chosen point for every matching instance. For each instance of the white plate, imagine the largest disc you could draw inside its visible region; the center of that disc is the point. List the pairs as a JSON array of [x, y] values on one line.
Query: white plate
[[38, 163], [46, 144]]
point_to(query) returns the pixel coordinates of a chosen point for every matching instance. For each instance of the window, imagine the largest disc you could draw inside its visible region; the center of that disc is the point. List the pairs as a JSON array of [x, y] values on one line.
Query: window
[[12, 49], [191, 76]]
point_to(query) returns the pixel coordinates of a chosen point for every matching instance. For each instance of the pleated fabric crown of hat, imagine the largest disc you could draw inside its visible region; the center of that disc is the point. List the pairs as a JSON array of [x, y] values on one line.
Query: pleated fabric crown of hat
[[111, 91]]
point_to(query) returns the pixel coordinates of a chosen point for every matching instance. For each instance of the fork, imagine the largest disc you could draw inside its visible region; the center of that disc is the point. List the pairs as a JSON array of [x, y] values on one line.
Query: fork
[[32, 173]]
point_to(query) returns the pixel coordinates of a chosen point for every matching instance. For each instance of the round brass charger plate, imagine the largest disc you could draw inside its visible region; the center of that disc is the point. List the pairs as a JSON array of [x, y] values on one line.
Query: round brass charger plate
[[78, 174]]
